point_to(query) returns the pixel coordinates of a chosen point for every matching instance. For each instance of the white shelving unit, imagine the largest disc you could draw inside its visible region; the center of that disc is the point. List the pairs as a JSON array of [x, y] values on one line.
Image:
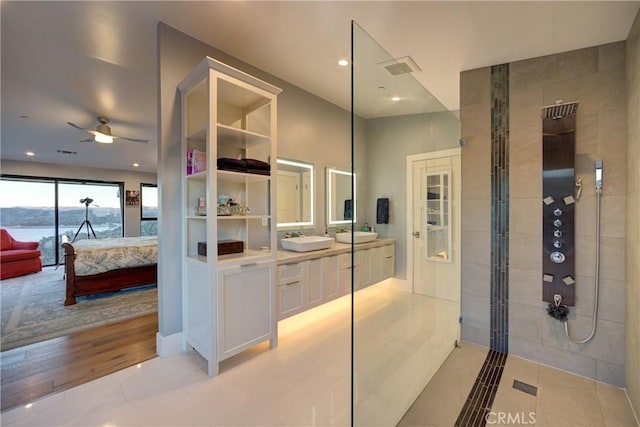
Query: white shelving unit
[[229, 300]]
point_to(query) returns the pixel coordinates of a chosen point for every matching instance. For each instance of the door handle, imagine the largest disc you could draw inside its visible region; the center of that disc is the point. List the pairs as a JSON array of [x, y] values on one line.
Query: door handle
[[416, 234]]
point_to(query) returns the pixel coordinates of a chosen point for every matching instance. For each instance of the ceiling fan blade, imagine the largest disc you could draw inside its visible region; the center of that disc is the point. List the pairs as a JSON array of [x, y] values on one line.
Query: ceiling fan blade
[[141, 141], [78, 127]]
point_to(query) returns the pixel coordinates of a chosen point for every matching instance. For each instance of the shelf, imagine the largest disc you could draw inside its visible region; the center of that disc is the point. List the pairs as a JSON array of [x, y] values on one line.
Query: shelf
[[239, 138], [248, 256], [198, 258], [234, 217], [241, 177], [199, 217], [198, 176]]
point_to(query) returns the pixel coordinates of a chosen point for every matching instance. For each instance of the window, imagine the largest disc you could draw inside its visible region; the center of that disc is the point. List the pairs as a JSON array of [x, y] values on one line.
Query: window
[[42, 209], [149, 210]]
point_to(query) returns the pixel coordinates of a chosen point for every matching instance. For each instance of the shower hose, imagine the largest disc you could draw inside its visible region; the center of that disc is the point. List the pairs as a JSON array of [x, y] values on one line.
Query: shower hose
[[597, 278]]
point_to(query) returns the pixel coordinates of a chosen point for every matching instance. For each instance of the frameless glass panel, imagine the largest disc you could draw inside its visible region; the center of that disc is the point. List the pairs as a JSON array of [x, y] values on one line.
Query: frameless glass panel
[[88, 210], [28, 213], [405, 305]]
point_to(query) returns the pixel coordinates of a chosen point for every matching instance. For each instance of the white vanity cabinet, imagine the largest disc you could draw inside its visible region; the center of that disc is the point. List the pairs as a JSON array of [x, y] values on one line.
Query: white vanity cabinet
[[309, 283], [229, 149], [330, 280], [291, 279], [314, 294]]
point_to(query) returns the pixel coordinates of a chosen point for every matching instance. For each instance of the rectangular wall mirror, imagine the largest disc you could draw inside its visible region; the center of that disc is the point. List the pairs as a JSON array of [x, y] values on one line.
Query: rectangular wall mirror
[[341, 206], [296, 194]]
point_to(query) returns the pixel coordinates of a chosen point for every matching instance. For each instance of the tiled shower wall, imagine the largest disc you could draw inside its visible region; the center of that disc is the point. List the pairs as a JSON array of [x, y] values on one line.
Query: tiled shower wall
[[595, 77], [633, 216]]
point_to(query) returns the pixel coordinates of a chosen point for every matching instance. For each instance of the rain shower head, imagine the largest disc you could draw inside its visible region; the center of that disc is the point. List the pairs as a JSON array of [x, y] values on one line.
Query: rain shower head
[[560, 110]]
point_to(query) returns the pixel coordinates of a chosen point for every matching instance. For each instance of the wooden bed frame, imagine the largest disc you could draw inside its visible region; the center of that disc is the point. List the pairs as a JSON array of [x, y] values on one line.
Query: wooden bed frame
[[108, 281]]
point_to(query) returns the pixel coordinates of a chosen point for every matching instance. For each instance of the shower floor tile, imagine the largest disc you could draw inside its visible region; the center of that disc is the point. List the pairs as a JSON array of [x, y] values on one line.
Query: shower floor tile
[[562, 399]]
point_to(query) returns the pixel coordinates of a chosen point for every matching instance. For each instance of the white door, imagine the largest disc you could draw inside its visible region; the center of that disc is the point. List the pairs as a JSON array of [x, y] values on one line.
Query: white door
[[435, 223]]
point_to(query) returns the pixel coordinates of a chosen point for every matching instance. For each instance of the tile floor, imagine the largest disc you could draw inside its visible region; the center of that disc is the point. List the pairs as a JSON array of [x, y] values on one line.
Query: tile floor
[[562, 399], [401, 340]]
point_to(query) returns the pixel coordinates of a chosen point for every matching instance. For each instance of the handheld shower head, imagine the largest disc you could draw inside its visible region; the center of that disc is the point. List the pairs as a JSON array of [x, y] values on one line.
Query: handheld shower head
[[598, 174]]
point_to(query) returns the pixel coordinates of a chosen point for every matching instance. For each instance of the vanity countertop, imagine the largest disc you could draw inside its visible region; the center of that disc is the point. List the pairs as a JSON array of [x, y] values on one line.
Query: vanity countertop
[[289, 257]]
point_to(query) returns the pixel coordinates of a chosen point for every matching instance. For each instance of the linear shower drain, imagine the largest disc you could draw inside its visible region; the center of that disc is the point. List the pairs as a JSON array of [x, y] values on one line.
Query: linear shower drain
[[524, 387]]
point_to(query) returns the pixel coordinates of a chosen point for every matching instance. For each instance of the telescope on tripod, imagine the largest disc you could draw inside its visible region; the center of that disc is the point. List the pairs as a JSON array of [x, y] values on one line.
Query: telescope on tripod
[[87, 201]]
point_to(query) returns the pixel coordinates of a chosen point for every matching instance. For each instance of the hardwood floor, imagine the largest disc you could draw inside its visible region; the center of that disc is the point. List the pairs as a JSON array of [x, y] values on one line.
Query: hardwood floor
[[58, 364]]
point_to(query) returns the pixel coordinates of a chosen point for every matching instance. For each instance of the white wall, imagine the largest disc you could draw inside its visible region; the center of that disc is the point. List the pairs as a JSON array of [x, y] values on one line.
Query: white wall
[[132, 181]]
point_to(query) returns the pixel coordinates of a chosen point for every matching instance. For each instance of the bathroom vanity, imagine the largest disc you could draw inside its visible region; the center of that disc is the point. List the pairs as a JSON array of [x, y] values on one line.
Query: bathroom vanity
[[308, 279]]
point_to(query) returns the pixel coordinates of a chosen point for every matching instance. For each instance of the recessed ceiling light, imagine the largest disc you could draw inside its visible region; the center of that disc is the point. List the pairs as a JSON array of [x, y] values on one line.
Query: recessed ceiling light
[[395, 98], [343, 62], [135, 165], [30, 153]]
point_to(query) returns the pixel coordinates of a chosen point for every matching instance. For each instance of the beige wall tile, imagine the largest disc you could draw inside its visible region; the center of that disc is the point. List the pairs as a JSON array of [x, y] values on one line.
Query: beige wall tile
[[582, 89], [476, 215], [525, 215], [525, 286], [476, 279], [611, 55], [525, 179], [476, 247], [475, 119], [525, 322], [525, 251], [525, 107], [525, 143], [475, 86]]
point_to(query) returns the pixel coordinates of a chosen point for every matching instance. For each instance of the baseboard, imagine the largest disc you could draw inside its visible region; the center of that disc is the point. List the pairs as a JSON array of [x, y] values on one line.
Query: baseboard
[[170, 345]]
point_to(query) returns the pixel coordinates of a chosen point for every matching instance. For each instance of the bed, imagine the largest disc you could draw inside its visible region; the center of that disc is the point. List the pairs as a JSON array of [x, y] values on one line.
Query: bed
[[107, 265]]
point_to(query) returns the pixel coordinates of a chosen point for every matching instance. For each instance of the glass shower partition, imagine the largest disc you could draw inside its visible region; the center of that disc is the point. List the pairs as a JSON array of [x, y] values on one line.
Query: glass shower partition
[[400, 337]]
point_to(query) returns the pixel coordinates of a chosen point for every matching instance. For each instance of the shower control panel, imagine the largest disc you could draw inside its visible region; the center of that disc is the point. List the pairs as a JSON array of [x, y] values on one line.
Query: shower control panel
[[558, 209]]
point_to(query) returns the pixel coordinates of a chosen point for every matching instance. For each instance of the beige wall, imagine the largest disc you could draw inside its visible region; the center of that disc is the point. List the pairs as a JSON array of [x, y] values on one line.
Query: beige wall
[[633, 217], [132, 181], [595, 77]]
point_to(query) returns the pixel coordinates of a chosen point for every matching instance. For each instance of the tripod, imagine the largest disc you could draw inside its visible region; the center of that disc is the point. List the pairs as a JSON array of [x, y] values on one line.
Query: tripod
[[86, 222]]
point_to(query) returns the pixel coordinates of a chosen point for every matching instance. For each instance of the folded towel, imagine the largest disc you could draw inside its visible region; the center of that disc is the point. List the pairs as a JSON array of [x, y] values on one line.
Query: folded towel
[[244, 165], [382, 211]]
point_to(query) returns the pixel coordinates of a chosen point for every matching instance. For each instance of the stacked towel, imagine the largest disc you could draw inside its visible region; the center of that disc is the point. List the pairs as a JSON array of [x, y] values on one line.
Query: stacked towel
[[244, 165]]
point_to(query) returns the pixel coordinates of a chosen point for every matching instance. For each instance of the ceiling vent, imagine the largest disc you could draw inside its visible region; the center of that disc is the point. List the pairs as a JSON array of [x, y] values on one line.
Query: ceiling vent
[[404, 65], [67, 152]]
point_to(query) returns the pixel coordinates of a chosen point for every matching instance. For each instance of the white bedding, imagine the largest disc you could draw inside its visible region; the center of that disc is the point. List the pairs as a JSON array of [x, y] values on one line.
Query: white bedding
[[97, 256]]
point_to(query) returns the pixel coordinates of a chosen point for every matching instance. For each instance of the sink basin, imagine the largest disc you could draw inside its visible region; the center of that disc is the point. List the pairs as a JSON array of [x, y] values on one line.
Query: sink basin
[[358, 237], [306, 243]]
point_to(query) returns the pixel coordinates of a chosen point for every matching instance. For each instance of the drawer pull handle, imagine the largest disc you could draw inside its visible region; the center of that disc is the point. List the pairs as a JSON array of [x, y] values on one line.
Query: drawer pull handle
[[292, 283]]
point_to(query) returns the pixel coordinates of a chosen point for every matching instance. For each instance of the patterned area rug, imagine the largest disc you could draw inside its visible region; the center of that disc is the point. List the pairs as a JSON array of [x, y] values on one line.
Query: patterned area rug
[[33, 308]]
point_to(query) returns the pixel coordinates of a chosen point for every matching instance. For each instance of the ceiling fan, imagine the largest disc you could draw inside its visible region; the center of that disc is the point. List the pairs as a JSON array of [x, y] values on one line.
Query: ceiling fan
[[102, 133]]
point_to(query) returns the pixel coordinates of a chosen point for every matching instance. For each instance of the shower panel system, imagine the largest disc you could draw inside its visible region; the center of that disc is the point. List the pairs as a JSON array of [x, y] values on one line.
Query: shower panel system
[[558, 207]]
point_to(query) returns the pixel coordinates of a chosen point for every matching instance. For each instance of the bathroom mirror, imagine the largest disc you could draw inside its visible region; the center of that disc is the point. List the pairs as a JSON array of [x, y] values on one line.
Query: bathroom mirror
[[295, 195], [341, 206]]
